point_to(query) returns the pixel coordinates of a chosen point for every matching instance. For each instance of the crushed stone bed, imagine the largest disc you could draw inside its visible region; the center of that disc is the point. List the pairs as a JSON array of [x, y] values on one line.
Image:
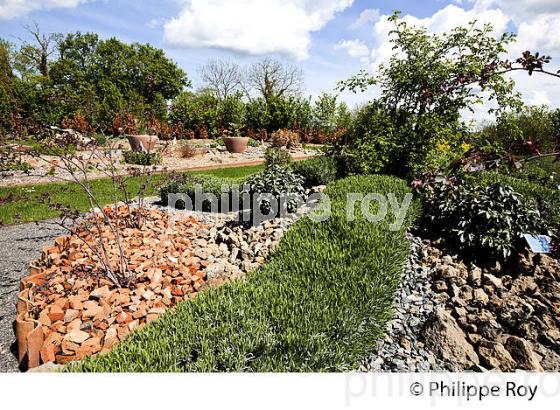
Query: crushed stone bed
[[19, 246]]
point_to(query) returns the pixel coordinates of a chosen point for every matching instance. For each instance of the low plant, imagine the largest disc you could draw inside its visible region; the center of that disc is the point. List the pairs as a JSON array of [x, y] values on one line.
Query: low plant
[[278, 182], [142, 158], [541, 196], [187, 150], [277, 156], [285, 138], [206, 184], [253, 143], [314, 308], [486, 220], [10, 162], [317, 171]]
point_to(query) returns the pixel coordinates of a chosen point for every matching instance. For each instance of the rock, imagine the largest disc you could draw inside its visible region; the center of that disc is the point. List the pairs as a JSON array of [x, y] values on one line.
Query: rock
[[214, 270], [524, 263], [494, 267], [445, 338], [480, 296], [55, 314], [49, 367], [100, 293], [70, 315], [494, 355], [550, 360], [475, 276], [522, 352], [491, 280], [110, 338], [549, 266], [76, 336]]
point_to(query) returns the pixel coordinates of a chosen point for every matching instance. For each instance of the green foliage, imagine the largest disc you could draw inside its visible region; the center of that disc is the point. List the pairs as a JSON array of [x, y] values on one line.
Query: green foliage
[[329, 116], [142, 158], [513, 130], [277, 181], [314, 308], [545, 199], [7, 91], [197, 112], [97, 78], [277, 156], [206, 184], [483, 220], [375, 143], [317, 171], [231, 110], [428, 81]]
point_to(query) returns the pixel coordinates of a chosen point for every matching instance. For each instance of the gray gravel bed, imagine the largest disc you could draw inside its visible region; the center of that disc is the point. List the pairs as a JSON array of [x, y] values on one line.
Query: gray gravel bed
[[19, 246]]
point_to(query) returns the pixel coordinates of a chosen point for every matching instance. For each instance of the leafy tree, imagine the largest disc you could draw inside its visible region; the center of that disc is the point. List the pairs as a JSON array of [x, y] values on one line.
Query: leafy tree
[[329, 115], [197, 112], [33, 58], [530, 131], [230, 110], [103, 77], [7, 78], [432, 78]]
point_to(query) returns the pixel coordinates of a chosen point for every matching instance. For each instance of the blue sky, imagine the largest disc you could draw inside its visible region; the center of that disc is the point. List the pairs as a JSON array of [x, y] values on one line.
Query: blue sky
[[326, 38]]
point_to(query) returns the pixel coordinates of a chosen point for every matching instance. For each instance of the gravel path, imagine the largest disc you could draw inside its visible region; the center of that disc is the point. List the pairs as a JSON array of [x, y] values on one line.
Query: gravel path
[[19, 245]]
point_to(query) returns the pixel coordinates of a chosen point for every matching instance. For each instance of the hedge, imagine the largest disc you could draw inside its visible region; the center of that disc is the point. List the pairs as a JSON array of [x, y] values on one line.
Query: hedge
[[319, 304], [546, 199]]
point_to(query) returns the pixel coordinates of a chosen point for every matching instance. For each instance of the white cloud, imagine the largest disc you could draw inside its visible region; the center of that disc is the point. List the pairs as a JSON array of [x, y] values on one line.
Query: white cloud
[[355, 48], [252, 26], [442, 21], [540, 97], [14, 8], [366, 16]]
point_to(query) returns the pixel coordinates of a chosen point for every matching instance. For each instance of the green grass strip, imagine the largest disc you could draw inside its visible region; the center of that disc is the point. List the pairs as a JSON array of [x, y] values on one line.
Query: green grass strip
[[318, 305], [28, 204]]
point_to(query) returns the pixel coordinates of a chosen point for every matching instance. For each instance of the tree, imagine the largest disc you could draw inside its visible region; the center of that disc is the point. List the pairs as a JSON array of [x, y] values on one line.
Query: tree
[[273, 80], [7, 79], [432, 78], [33, 57], [223, 77], [103, 78]]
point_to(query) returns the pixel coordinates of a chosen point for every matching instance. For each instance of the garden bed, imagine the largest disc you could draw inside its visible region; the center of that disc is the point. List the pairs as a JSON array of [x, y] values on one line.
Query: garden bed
[[67, 309], [204, 155], [319, 304]]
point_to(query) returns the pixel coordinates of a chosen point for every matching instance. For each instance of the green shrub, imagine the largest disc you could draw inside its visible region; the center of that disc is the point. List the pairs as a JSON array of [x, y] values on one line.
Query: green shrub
[[277, 181], [485, 220], [253, 143], [317, 171], [277, 156], [319, 304], [207, 184], [547, 200], [142, 158]]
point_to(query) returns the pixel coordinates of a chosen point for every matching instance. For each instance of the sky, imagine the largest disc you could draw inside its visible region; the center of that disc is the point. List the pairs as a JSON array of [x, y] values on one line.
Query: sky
[[329, 39]]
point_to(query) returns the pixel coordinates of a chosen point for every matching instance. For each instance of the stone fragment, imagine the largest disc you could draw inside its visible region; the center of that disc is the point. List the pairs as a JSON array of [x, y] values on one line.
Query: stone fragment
[[445, 338]]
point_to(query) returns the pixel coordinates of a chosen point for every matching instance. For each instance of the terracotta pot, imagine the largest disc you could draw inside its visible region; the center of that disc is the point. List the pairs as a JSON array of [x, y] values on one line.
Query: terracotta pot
[[142, 143], [236, 145]]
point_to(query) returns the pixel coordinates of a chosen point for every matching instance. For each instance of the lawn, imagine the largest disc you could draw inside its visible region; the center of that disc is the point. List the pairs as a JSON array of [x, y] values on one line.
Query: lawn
[[28, 204]]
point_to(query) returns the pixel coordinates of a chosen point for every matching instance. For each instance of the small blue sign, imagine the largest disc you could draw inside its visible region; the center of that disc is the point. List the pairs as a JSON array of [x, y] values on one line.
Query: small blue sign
[[538, 243]]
